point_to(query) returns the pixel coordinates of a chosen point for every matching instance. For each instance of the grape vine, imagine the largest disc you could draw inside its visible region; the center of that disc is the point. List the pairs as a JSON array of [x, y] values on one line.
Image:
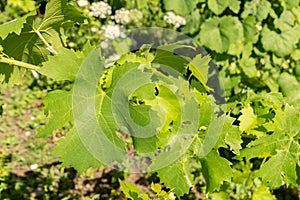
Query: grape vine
[[163, 106]]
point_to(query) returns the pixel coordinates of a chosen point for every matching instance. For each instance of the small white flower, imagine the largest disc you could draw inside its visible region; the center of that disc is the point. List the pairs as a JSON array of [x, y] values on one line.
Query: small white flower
[[122, 16], [34, 166], [104, 45], [259, 27], [100, 9], [112, 31], [136, 15], [174, 19], [82, 3], [27, 133], [94, 29]]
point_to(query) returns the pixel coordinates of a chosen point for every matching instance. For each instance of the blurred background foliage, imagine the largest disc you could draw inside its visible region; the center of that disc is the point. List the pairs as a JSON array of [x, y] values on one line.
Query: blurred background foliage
[[254, 43]]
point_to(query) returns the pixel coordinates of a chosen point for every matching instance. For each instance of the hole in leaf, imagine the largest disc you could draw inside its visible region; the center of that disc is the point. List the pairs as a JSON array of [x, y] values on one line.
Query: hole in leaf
[[156, 92]]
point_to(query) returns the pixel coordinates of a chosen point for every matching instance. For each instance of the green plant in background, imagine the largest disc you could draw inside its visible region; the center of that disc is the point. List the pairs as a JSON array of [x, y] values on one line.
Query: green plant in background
[[131, 191], [255, 45]]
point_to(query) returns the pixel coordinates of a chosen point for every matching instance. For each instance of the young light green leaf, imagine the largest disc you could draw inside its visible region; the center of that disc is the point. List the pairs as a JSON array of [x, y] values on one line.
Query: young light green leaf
[[231, 136], [263, 192], [282, 146], [73, 153], [278, 169], [215, 177], [247, 120], [131, 191], [199, 68], [175, 178]]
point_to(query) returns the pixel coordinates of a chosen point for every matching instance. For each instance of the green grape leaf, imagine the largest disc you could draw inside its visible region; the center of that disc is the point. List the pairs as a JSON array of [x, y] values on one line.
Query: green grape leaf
[[282, 146], [58, 106], [14, 26], [199, 68], [218, 6], [93, 113], [164, 55], [207, 106], [24, 5], [248, 67], [73, 153], [131, 191], [215, 177], [234, 5], [58, 13], [258, 8], [181, 7], [263, 192], [286, 21], [65, 65], [289, 4], [140, 114], [280, 167], [281, 44], [213, 134], [250, 30], [248, 119], [11, 74], [223, 34], [290, 88], [231, 136], [175, 178], [28, 47]]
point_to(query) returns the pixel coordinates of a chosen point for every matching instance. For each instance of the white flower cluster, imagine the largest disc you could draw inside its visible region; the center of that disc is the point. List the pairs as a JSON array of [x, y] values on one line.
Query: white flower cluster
[[100, 9], [174, 19], [82, 3], [124, 16], [112, 31]]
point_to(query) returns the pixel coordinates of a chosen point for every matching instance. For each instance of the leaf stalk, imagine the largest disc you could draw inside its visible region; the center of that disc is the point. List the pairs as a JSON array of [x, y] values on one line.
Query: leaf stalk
[[18, 63]]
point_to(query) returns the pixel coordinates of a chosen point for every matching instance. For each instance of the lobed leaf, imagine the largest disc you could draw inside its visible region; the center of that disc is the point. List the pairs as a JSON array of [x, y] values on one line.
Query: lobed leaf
[[175, 178], [223, 34], [58, 106], [215, 177], [73, 153], [14, 26]]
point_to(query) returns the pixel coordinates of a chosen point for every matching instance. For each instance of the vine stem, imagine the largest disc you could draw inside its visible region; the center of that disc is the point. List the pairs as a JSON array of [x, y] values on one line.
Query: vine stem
[[18, 63], [49, 47]]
